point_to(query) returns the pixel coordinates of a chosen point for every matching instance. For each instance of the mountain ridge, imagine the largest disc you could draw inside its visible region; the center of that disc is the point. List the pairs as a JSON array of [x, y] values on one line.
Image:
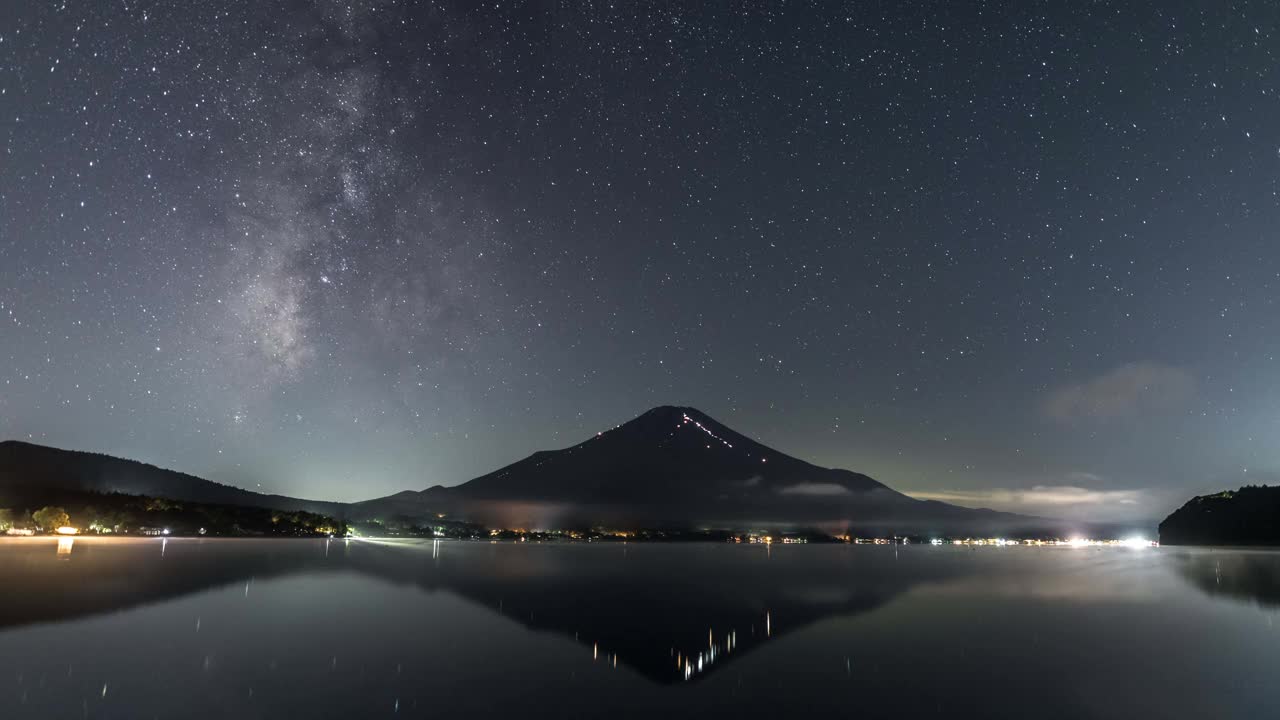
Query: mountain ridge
[[672, 466], [28, 469], [677, 465]]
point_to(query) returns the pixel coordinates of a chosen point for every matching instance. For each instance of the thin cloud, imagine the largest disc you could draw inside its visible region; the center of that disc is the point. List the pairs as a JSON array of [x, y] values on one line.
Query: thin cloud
[[1127, 391], [1062, 501], [815, 489], [1039, 496]]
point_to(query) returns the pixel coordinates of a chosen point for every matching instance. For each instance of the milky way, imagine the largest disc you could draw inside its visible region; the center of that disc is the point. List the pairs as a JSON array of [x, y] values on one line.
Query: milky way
[[1012, 254]]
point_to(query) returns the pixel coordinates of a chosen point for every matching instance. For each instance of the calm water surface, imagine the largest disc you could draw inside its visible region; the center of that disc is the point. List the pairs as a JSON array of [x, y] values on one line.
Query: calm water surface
[[133, 628]]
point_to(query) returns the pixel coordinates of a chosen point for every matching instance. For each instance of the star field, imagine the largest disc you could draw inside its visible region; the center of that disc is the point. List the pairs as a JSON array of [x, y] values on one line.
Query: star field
[[1006, 254]]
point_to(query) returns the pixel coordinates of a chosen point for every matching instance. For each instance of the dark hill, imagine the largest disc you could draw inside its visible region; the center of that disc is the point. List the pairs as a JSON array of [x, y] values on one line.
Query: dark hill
[[30, 472], [677, 466], [1248, 516]]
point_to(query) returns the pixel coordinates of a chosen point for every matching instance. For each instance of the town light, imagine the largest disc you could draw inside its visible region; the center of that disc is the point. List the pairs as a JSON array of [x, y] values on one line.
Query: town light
[[67, 530]]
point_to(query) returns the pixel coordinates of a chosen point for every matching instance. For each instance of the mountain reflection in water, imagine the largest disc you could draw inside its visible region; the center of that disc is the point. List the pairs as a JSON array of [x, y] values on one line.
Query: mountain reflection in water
[[141, 628], [1247, 575], [671, 612]]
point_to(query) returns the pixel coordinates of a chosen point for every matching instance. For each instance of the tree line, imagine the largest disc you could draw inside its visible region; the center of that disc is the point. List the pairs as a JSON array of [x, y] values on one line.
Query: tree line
[[118, 514]]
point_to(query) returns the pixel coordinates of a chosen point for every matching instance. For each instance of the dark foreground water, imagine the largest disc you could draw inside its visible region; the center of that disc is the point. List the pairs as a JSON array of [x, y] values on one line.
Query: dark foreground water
[[366, 629]]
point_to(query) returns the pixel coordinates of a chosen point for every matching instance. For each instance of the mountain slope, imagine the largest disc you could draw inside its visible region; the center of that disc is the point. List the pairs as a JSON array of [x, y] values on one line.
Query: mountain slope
[[666, 451], [31, 471], [1248, 516], [676, 465]]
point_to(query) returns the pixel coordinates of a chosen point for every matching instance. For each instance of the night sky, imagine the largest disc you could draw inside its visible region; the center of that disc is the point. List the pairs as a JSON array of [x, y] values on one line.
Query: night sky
[[1018, 254]]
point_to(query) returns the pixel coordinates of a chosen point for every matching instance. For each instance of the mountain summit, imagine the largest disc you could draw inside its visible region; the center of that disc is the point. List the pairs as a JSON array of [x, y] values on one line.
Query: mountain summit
[[666, 453], [676, 466]]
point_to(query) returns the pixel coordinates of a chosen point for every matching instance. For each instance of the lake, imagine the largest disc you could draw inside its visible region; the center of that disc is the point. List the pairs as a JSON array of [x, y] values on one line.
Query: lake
[[186, 628]]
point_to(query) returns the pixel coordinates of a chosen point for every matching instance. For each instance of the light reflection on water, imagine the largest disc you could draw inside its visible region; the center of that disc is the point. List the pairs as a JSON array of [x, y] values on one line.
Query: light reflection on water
[[93, 627]]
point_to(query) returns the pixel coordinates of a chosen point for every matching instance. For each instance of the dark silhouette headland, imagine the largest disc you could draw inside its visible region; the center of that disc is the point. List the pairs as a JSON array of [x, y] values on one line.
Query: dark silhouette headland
[[1248, 516]]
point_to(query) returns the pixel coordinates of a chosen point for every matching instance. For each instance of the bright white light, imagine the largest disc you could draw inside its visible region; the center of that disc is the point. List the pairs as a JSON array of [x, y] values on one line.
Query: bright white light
[[1077, 542], [1136, 541]]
